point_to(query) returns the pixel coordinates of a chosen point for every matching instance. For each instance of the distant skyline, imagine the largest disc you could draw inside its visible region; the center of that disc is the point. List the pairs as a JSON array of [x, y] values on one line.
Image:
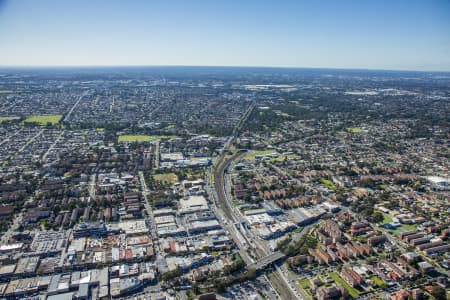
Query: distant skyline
[[359, 34]]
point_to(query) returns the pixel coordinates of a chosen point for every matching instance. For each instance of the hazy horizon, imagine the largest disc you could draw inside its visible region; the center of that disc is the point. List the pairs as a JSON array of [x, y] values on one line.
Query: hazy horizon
[[100, 67]]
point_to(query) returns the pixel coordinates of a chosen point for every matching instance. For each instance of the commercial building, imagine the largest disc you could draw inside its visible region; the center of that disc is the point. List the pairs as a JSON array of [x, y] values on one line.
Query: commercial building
[[192, 204]]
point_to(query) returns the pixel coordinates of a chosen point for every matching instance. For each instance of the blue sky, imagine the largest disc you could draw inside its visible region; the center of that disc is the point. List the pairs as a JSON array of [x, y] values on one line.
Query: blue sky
[[377, 34]]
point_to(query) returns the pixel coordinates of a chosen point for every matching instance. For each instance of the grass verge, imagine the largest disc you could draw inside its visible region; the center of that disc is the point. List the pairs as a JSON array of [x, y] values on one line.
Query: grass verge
[[354, 293]]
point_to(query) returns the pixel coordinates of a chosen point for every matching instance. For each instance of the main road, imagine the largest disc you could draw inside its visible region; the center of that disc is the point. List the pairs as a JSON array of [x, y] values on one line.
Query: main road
[[152, 228]]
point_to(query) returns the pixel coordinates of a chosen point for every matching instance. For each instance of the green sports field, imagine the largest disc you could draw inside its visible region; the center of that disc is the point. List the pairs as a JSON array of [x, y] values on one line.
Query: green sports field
[[355, 130], [44, 119], [169, 178], [4, 119], [128, 138]]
